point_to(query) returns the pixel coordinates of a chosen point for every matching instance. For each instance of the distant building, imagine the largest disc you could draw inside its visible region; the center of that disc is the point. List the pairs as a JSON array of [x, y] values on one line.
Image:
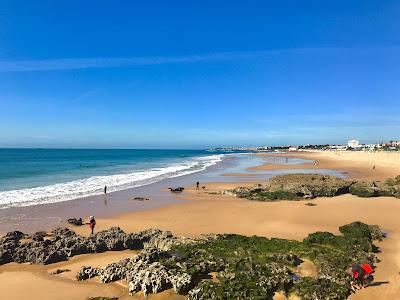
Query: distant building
[[293, 148], [337, 147], [353, 144]]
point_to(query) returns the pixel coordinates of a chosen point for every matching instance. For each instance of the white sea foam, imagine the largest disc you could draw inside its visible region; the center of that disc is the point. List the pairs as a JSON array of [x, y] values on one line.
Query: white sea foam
[[94, 185]]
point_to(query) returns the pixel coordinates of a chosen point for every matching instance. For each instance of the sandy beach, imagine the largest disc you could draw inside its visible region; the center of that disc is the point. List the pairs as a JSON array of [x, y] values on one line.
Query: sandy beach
[[208, 211], [357, 165]]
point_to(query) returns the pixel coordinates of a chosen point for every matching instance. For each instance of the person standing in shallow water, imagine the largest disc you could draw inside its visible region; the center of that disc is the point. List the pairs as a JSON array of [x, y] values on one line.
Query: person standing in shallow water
[[105, 189], [197, 185], [92, 223]]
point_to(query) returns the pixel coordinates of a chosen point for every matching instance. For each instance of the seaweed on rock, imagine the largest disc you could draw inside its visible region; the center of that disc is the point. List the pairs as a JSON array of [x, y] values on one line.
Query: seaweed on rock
[[242, 267], [308, 186]]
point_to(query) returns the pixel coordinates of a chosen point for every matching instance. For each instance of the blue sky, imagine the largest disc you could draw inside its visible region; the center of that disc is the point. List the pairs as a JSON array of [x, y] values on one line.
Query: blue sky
[[196, 74]]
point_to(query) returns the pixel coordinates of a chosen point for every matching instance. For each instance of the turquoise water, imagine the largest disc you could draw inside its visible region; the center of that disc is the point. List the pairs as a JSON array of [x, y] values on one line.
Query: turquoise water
[[33, 176]]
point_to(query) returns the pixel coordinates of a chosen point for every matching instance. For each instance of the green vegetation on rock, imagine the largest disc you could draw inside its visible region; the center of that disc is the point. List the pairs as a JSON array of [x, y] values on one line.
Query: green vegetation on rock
[[257, 267], [307, 186]]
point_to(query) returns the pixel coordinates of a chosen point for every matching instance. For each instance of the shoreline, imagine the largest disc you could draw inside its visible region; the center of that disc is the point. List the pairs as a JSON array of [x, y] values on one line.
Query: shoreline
[[195, 212]]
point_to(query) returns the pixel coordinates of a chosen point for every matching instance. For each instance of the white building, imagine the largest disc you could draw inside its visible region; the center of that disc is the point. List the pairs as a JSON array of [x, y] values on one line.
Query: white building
[[293, 148], [353, 144]]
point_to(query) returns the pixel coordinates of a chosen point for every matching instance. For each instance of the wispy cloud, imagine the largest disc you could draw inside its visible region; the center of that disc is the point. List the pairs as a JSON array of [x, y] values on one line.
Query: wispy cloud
[[86, 63]]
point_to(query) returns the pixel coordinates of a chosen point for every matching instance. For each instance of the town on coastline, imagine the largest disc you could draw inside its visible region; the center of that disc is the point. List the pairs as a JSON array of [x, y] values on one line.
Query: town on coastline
[[352, 145]]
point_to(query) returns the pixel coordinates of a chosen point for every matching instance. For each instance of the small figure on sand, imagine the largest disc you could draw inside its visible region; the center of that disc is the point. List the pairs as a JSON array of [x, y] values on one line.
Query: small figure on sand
[[197, 185], [315, 163], [105, 189], [92, 223], [373, 168]]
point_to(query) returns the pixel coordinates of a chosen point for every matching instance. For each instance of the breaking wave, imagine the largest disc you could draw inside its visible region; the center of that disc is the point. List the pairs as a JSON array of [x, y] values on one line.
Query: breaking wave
[[94, 185]]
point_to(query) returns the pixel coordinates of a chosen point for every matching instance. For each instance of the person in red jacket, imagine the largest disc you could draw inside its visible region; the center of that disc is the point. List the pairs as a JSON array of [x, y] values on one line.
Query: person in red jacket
[[92, 223], [359, 273]]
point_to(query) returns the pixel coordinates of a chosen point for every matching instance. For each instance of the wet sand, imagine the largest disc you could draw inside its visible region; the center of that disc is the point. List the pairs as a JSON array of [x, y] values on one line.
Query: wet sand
[[208, 211]]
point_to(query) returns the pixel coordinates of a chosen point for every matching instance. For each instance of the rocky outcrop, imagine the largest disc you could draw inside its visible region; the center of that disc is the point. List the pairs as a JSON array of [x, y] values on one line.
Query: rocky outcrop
[[150, 278], [64, 243], [87, 273], [39, 236], [241, 267], [76, 222], [144, 272], [294, 187]]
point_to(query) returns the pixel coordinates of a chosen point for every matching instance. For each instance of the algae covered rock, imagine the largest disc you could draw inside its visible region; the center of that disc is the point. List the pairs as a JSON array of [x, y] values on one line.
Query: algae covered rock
[[227, 266], [294, 187]]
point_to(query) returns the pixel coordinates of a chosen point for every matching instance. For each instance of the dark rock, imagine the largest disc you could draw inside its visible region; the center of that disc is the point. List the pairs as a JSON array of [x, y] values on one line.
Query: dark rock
[[140, 199], [59, 271], [87, 273], [14, 235], [64, 243], [177, 190], [76, 222], [39, 236]]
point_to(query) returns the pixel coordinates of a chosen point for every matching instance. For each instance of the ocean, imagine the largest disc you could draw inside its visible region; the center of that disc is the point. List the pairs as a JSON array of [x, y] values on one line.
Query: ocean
[[38, 176]]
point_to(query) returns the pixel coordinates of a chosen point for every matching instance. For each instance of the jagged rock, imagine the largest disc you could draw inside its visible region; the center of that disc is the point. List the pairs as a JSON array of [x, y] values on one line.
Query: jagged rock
[[115, 271], [180, 282], [151, 279], [14, 235], [6, 256], [64, 243], [39, 236], [87, 273]]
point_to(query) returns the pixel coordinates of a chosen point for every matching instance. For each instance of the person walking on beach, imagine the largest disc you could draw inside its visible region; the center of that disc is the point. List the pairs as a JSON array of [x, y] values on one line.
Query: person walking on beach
[[92, 223], [105, 189], [197, 185]]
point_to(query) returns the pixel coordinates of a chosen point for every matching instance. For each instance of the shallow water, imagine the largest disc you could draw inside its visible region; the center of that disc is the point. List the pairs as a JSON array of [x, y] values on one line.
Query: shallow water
[[38, 176], [46, 216]]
